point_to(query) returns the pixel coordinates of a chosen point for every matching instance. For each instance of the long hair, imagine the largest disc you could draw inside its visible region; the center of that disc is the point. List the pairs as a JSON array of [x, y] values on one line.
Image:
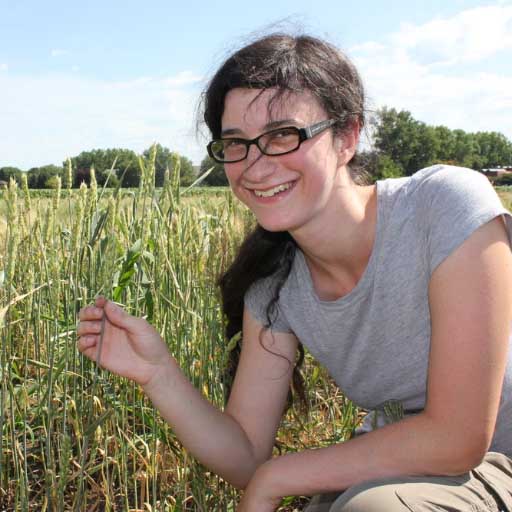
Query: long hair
[[262, 253], [285, 64]]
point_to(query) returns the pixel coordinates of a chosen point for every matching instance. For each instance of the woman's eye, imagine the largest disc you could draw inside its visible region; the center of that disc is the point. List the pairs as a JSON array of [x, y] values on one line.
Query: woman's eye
[[285, 132], [232, 143]]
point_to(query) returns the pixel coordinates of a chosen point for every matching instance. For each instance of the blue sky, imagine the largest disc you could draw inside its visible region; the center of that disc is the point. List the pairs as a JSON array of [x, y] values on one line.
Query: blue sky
[[75, 77]]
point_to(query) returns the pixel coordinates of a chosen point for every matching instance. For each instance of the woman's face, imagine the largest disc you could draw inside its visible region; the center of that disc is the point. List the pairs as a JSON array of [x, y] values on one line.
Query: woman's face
[[284, 192]]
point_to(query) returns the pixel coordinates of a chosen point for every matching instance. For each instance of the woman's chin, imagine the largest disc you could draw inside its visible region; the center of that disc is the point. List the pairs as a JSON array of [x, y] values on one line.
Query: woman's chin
[[273, 229], [275, 225]]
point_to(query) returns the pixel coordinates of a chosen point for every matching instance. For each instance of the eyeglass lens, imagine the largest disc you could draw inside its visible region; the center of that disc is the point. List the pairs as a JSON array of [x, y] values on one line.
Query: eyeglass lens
[[275, 142]]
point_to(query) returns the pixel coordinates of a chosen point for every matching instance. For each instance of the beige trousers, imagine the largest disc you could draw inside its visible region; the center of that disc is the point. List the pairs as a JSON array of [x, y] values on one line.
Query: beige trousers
[[487, 488]]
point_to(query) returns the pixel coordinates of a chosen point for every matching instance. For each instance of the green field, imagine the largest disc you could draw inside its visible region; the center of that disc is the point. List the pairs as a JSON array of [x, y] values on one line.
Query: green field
[[75, 438], [505, 194]]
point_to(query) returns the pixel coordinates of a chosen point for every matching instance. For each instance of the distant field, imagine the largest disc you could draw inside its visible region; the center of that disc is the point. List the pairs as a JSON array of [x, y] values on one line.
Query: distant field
[[505, 194], [198, 190]]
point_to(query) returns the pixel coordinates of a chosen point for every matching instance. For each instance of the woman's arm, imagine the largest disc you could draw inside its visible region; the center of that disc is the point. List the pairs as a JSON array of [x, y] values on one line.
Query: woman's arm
[[231, 443], [471, 304], [235, 442]]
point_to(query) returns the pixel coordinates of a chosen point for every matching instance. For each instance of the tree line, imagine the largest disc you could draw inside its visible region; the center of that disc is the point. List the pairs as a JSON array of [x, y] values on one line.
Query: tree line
[[401, 146], [110, 165]]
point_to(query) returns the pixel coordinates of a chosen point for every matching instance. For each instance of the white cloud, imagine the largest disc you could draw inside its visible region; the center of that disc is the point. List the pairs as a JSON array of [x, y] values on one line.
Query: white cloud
[[469, 36], [57, 52], [368, 47], [4, 66], [183, 78], [432, 70], [48, 118]]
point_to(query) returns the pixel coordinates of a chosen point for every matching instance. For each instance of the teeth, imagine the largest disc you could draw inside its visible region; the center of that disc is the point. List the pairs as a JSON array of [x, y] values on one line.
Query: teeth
[[273, 191]]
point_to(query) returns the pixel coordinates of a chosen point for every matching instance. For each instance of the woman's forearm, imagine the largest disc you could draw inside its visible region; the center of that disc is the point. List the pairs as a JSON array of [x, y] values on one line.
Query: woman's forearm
[[210, 435], [414, 446]]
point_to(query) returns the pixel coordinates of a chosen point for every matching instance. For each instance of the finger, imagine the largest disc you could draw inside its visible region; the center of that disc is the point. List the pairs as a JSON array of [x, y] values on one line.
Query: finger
[[87, 345], [100, 301], [90, 353], [85, 328], [118, 316], [90, 313]]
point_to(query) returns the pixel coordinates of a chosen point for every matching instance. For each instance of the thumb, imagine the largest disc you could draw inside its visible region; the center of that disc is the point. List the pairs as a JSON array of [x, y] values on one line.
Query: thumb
[[120, 318]]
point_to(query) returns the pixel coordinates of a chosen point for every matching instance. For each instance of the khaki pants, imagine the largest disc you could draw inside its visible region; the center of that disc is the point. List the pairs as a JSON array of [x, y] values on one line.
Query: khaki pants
[[487, 488]]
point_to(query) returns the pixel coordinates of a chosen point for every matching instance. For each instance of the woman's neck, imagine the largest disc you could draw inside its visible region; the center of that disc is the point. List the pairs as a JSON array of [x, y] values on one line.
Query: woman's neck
[[338, 245]]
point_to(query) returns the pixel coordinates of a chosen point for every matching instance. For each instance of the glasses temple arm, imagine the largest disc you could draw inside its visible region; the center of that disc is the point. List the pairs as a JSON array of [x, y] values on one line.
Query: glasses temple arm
[[311, 131]]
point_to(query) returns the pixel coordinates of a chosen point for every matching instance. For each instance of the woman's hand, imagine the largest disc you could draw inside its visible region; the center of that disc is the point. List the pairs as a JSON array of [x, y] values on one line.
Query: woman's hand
[[252, 502], [258, 495], [131, 347]]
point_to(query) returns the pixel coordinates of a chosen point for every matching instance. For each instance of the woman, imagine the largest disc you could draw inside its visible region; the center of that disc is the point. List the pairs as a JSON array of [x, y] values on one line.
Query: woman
[[401, 289]]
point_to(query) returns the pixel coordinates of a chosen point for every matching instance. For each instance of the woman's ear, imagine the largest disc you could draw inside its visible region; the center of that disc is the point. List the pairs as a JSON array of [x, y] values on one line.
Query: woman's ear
[[347, 142]]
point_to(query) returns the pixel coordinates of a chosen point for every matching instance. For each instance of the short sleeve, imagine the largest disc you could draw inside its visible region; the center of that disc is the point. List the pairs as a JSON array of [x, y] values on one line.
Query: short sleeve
[[257, 299], [454, 203]]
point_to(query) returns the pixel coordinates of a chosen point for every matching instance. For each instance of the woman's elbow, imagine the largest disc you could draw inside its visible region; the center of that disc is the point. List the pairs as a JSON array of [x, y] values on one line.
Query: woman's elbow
[[467, 457]]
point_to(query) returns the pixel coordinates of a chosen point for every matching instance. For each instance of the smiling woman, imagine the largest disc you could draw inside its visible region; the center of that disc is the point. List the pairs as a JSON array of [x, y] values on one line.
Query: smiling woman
[[304, 160], [401, 289]]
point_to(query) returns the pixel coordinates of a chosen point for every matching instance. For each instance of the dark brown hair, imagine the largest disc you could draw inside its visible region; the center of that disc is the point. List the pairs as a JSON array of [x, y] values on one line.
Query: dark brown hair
[[286, 64]]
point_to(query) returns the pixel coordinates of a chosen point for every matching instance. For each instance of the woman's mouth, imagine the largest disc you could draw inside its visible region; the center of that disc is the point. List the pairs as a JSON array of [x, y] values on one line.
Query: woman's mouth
[[277, 190]]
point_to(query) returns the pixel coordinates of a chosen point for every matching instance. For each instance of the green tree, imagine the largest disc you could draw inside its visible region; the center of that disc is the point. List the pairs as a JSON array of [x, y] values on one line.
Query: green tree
[[494, 149], [409, 143], [366, 161], [426, 150], [113, 178], [446, 144], [187, 171], [37, 177], [387, 168], [163, 160], [378, 166], [216, 178], [413, 145], [6, 173], [52, 182], [105, 162], [466, 150]]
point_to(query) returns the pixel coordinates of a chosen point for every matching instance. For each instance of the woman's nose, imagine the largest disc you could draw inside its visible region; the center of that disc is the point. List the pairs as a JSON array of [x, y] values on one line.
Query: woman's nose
[[258, 166], [253, 152]]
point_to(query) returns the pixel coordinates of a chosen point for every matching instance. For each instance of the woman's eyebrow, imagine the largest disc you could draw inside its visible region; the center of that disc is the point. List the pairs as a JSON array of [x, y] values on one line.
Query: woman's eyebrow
[[277, 124], [268, 126]]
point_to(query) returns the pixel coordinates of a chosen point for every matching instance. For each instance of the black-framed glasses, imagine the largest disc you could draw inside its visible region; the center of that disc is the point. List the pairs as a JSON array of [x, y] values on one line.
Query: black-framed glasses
[[272, 143]]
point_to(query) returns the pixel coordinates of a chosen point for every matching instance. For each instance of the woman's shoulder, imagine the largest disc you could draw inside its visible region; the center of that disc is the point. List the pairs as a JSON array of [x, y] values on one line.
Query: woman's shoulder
[[268, 285], [440, 186], [447, 177], [450, 204], [429, 179], [272, 289]]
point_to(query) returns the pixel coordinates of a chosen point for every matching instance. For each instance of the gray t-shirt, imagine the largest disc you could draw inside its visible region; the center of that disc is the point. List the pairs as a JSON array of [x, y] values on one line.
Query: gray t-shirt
[[375, 340]]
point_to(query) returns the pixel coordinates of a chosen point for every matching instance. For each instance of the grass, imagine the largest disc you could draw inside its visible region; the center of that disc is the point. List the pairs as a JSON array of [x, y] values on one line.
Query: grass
[[75, 437], [505, 194]]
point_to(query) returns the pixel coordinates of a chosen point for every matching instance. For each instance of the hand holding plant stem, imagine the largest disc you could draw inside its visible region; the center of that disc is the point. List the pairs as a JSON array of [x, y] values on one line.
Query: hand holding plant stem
[[131, 347]]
